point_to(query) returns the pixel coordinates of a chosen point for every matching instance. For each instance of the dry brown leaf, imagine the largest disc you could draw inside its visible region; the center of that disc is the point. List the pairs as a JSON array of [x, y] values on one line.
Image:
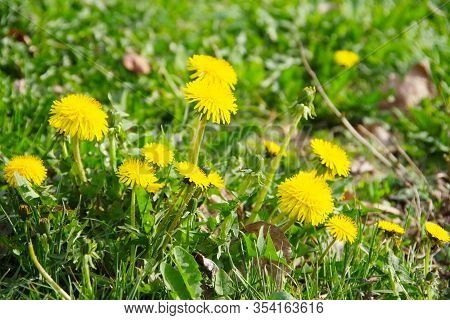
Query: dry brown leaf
[[206, 212], [58, 89], [226, 194], [278, 238], [383, 135], [20, 86], [206, 265], [413, 88], [361, 166], [348, 195], [19, 35], [136, 63], [441, 192], [272, 268], [325, 7], [386, 207]]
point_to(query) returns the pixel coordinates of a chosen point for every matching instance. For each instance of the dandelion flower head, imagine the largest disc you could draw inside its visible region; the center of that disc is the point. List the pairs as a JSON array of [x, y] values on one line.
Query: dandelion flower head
[[272, 148], [342, 228], [193, 173], [136, 173], [346, 58], [216, 180], [158, 154], [331, 156], [78, 115], [212, 99], [306, 197], [437, 232], [212, 69], [30, 167], [390, 227]]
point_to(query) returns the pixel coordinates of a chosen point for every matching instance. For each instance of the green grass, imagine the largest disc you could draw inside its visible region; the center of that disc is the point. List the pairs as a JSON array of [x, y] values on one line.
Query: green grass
[[77, 46]]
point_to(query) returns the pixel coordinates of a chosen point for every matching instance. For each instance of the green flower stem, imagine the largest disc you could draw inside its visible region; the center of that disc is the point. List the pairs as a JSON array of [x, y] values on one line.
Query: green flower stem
[[112, 151], [133, 224], [163, 224], [261, 196], [288, 224], [391, 270], [133, 208], [276, 220], [198, 137], [326, 251], [76, 154], [394, 287], [86, 273], [44, 273], [177, 217], [426, 268], [64, 149]]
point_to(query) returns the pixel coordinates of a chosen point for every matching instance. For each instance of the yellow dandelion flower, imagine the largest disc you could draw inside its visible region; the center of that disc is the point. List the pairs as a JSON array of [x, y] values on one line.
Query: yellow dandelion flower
[[154, 187], [30, 167], [332, 156], [212, 69], [136, 173], [216, 180], [193, 173], [78, 115], [342, 228], [390, 227], [306, 197], [346, 58], [437, 232], [213, 100], [158, 154], [272, 148]]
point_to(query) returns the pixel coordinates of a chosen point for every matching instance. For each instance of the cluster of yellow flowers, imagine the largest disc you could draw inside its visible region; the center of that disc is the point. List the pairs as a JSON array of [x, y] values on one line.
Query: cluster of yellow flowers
[[307, 197], [81, 117], [212, 88], [135, 172], [304, 197]]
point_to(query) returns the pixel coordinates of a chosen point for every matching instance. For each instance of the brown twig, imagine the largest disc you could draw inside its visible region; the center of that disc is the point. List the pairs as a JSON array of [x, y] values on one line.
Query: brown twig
[[389, 159], [339, 114]]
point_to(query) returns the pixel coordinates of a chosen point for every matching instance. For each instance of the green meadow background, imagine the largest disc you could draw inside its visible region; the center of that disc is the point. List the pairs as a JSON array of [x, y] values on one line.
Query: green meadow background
[[49, 48]]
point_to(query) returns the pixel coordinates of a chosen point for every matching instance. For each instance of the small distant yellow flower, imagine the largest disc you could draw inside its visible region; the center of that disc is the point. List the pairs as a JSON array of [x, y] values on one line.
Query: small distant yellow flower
[[437, 232], [216, 180], [212, 69], [79, 115], [306, 197], [212, 99], [390, 227], [342, 228], [30, 167], [136, 173], [272, 148], [158, 154], [332, 156], [346, 58], [193, 173]]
